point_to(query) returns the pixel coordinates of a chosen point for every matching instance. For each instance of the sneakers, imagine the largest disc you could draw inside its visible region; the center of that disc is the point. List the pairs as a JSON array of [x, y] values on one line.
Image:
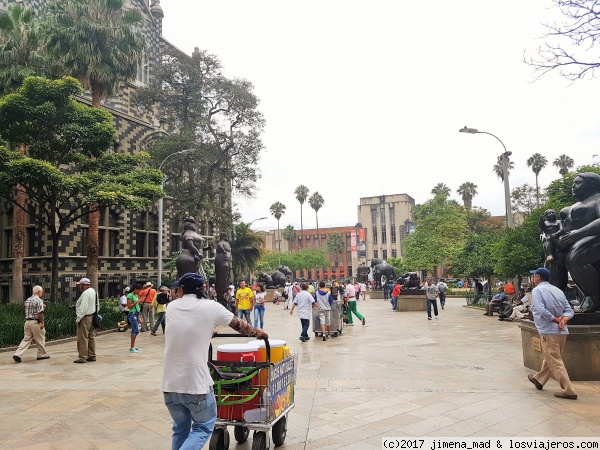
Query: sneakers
[[486, 313], [79, 361], [138, 349], [91, 359], [324, 337], [565, 396], [16, 359], [539, 386], [43, 357], [363, 321], [349, 324], [133, 350], [436, 317], [153, 333], [429, 318]]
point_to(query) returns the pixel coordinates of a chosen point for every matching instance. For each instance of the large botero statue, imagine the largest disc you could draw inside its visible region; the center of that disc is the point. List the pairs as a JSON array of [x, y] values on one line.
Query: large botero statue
[[222, 265], [572, 243], [190, 258]]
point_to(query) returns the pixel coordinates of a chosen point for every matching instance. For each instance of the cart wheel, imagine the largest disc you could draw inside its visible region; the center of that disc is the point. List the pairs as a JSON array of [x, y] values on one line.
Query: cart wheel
[[241, 433], [259, 441], [219, 439], [279, 431]]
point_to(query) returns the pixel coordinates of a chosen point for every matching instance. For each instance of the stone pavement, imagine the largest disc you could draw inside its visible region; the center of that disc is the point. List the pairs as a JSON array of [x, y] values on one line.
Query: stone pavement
[[400, 375]]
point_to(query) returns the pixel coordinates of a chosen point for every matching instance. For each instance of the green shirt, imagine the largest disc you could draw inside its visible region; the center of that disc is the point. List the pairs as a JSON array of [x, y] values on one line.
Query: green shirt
[[134, 298]]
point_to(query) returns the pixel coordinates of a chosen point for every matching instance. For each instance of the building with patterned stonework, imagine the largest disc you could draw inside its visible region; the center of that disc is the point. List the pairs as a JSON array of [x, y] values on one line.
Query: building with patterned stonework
[[128, 241]]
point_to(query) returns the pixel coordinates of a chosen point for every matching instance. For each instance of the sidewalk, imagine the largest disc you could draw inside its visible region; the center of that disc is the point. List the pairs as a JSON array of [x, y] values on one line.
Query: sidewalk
[[400, 375]]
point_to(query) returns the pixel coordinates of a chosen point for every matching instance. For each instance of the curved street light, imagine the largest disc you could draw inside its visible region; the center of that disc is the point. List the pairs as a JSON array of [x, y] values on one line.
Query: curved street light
[[504, 157], [160, 214]]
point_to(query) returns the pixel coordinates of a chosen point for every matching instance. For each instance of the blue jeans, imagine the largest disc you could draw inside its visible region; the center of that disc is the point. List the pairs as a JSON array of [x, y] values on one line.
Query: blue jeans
[[133, 320], [305, 323], [159, 322], [429, 304], [442, 299], [259, 313], [244, 313], [394, 302], [193, 418]]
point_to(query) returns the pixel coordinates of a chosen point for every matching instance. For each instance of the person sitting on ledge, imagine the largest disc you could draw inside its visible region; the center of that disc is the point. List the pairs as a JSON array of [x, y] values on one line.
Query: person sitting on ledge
[[495, 301]]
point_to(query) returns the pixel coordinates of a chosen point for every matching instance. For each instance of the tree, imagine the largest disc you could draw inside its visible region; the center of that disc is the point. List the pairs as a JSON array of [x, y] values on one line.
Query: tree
[[564, 163], [278, 210], [567, 42], [475, 258], [467, 190], [498, 169], [524, 199], [204, 110], [95, 42], [441, 226], [289, 234], [335, 247], [301, 193], [316, 202], [246, 250], [537, 162], [441, 189], [480, 220], [60, 179], [398, 265], [560, 191], [20, 57]]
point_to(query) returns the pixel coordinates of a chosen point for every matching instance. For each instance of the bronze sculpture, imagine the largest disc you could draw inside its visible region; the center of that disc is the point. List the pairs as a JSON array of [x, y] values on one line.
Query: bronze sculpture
[[380, 269], [579, 239], [222, 265], [190, 258]]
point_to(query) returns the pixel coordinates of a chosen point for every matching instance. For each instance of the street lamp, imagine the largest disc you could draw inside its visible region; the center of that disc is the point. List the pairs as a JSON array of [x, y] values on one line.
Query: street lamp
[[504, 157], [160, 213], [261, 218]]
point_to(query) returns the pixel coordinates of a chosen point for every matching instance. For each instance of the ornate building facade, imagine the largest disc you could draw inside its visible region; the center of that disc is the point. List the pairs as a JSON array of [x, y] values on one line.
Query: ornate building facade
[[128, 241]]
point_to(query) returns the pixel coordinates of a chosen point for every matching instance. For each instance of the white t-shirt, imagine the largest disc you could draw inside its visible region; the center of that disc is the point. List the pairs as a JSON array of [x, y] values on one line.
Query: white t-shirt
[[123, 303], [260, 297], [190, 322], [303, 302], [363, 287], [350, 292]]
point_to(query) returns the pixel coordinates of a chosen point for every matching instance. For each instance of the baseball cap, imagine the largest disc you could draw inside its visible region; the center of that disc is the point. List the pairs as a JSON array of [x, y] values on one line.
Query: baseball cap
[[542, 272], [84, 281], [347, 280], [191, 280], [175, 285]]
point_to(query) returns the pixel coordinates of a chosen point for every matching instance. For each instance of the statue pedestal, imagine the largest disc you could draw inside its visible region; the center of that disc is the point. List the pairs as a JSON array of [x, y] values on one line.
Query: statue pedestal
[[412, 292], [412, 303], [581, 354], [376, 294]]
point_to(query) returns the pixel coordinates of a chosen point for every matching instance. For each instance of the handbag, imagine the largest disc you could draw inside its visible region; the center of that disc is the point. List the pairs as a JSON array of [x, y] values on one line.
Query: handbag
[[96, 318]]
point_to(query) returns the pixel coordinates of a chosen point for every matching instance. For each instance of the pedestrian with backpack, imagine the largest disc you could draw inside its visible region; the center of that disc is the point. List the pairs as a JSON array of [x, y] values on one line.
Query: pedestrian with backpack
[[442, 289]]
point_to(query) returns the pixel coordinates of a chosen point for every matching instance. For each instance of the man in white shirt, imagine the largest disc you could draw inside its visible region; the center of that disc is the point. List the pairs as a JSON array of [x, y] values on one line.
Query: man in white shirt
[[86, 335], [304, 301], [187, 384], [363, 290], [351, 302], [431, 292]]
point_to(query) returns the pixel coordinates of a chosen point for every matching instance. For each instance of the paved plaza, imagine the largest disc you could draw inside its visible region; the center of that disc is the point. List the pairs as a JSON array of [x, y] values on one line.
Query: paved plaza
[[400, 375]]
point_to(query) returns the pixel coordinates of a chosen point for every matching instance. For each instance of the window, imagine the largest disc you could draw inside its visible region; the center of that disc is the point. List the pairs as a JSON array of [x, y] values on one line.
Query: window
[[374, 235], [349, 255], [113, 243], [383, 235], [113, 219], [393, 231], [31, 247], [83, 242], [348, 241], [373, 216], [392, 215], [140, 244], [375, 254], [146, 237], [384, 254], [349, 271], [300, 242], [394, 253], [175, 243], [9, 243], [101, 242], [153, 245], [382, 214]]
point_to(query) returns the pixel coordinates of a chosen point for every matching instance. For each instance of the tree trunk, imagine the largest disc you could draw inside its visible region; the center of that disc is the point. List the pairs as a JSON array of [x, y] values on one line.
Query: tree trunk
[[537, 190], [301, 224], [318, 234], [94, 219], [17, 294], [54, 271]]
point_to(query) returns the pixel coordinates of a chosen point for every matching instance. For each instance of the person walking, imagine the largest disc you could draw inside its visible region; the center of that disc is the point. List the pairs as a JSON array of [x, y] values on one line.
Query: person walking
[[288, 295], [386, 291], [134, 303], [260, 296], [351, 303], [304, 302], [442, 289], [159, 304], [33, 329], [244, 301], [551, 312], [147, 295], [431, 293], [186, 384], [87, 303], [324, 300], [395, 295]]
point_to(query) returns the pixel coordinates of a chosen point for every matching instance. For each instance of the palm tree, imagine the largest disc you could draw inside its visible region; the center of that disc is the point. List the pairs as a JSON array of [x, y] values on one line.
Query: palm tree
[[316, 202], [537, 162], [95, 42], [499, 171], [468, 190], [278, 210], [246, 249], [301, 193], [441, 189], [289, 234], [20, 57], [564, 163]]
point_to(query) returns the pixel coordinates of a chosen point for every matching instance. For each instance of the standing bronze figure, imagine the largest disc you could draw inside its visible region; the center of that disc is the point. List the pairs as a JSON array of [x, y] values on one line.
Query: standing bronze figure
[[190, 258], [222, 266]]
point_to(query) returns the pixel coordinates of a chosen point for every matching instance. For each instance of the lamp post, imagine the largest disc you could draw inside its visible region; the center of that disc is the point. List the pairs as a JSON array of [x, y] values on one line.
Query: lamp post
[[160, 214], [504, 157]]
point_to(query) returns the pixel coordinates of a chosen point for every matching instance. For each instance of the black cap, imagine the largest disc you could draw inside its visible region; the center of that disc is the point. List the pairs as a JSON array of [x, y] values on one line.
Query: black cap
[[192, 280]]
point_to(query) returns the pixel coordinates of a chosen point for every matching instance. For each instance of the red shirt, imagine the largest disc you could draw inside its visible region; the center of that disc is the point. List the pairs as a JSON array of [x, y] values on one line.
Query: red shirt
[[396, 291]]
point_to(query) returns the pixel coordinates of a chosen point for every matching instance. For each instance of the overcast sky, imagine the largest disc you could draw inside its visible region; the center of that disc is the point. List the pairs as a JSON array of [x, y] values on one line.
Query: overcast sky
[[366, 97]]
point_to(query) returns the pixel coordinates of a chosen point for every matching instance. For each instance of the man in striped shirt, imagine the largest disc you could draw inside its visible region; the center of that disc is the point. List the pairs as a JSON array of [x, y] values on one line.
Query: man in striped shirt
[[34, 326]]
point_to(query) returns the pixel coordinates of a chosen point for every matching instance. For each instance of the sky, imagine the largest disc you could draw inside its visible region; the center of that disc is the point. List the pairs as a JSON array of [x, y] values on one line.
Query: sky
[[366, 97]]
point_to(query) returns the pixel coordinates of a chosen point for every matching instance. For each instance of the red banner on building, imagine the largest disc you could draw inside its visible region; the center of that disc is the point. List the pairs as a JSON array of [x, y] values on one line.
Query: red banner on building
[[353, 244]]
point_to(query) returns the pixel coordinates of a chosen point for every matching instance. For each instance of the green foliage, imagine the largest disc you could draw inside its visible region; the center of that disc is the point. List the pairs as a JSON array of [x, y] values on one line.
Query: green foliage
[[441, 226], [441, 189], [479, 221], [302, 260], [475, 258], [246, 249], [398, 265], [335, 247], [289, 234], [559, 191], [519, 250], [524, 199]]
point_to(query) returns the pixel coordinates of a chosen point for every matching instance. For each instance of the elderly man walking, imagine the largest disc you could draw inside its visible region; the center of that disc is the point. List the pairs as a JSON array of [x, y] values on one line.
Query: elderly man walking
[[34, 326], [551, 312], [86, 335]]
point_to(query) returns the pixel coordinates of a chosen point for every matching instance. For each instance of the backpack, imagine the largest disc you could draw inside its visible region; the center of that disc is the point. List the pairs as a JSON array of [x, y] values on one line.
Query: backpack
[[442, 288]]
